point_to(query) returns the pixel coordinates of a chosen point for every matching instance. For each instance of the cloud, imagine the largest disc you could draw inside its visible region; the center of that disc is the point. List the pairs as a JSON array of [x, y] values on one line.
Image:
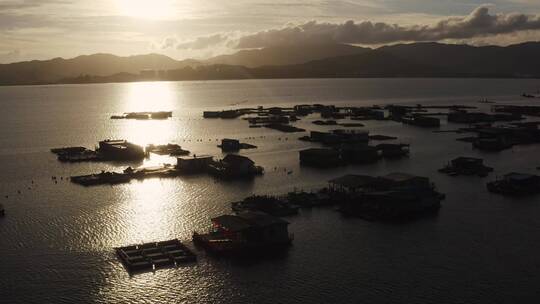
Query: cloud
[[22, 4], [204, 42], [479, 23], [10, 56]]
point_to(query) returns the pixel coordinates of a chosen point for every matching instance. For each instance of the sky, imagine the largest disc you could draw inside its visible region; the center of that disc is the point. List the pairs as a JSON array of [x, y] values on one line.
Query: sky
[[44, 29]]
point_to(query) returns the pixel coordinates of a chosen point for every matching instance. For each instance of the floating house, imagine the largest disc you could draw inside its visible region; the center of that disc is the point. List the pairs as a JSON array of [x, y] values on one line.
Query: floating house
[[359, 153], [466, 166], [393, 196], [234, 166], [120, 150], [246, 232], [352, 183], [193, 165], [492, 139], [503, 137], [392, 205], [366, 113], [340, 136], [303, 110], [516, 184]]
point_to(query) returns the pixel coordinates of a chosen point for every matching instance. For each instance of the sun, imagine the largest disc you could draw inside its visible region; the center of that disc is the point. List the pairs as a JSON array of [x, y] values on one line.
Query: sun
[[146, 9]]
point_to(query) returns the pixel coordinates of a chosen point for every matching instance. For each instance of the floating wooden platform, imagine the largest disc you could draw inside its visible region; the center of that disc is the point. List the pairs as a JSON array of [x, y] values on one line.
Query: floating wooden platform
[[150, 256]]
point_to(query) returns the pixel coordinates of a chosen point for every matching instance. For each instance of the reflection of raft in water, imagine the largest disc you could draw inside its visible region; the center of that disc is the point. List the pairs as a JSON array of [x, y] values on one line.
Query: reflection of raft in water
[[149, 256]]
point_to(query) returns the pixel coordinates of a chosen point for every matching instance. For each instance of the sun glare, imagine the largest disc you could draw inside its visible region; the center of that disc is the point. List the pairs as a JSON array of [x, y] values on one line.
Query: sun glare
[[147, 9]]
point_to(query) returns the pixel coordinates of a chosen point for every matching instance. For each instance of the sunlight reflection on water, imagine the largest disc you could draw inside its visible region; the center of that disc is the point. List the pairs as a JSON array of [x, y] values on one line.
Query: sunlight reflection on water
[[150, 96]]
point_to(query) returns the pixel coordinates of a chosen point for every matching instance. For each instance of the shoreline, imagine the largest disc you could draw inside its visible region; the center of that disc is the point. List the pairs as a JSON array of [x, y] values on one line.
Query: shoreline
[[275, 78]]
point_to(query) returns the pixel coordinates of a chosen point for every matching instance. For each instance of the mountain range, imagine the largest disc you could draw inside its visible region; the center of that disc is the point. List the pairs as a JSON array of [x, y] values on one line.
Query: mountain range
[[313, 61]]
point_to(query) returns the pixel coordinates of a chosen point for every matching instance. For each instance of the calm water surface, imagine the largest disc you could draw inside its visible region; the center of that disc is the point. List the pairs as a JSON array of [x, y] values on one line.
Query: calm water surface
[[56, 241]]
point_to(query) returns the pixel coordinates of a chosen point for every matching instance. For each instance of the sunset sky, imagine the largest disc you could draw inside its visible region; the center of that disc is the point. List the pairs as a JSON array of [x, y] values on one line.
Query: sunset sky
[[42, 29]]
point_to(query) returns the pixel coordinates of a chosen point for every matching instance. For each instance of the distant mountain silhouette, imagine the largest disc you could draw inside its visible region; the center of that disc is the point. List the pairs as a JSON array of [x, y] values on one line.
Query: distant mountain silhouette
[[404, 60], [286, 55], [519, 60], [373, 63], [47, 71]]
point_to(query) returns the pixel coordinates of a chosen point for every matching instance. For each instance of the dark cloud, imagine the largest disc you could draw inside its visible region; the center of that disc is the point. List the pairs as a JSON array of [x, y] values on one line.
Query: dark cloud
[[479, 23]]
